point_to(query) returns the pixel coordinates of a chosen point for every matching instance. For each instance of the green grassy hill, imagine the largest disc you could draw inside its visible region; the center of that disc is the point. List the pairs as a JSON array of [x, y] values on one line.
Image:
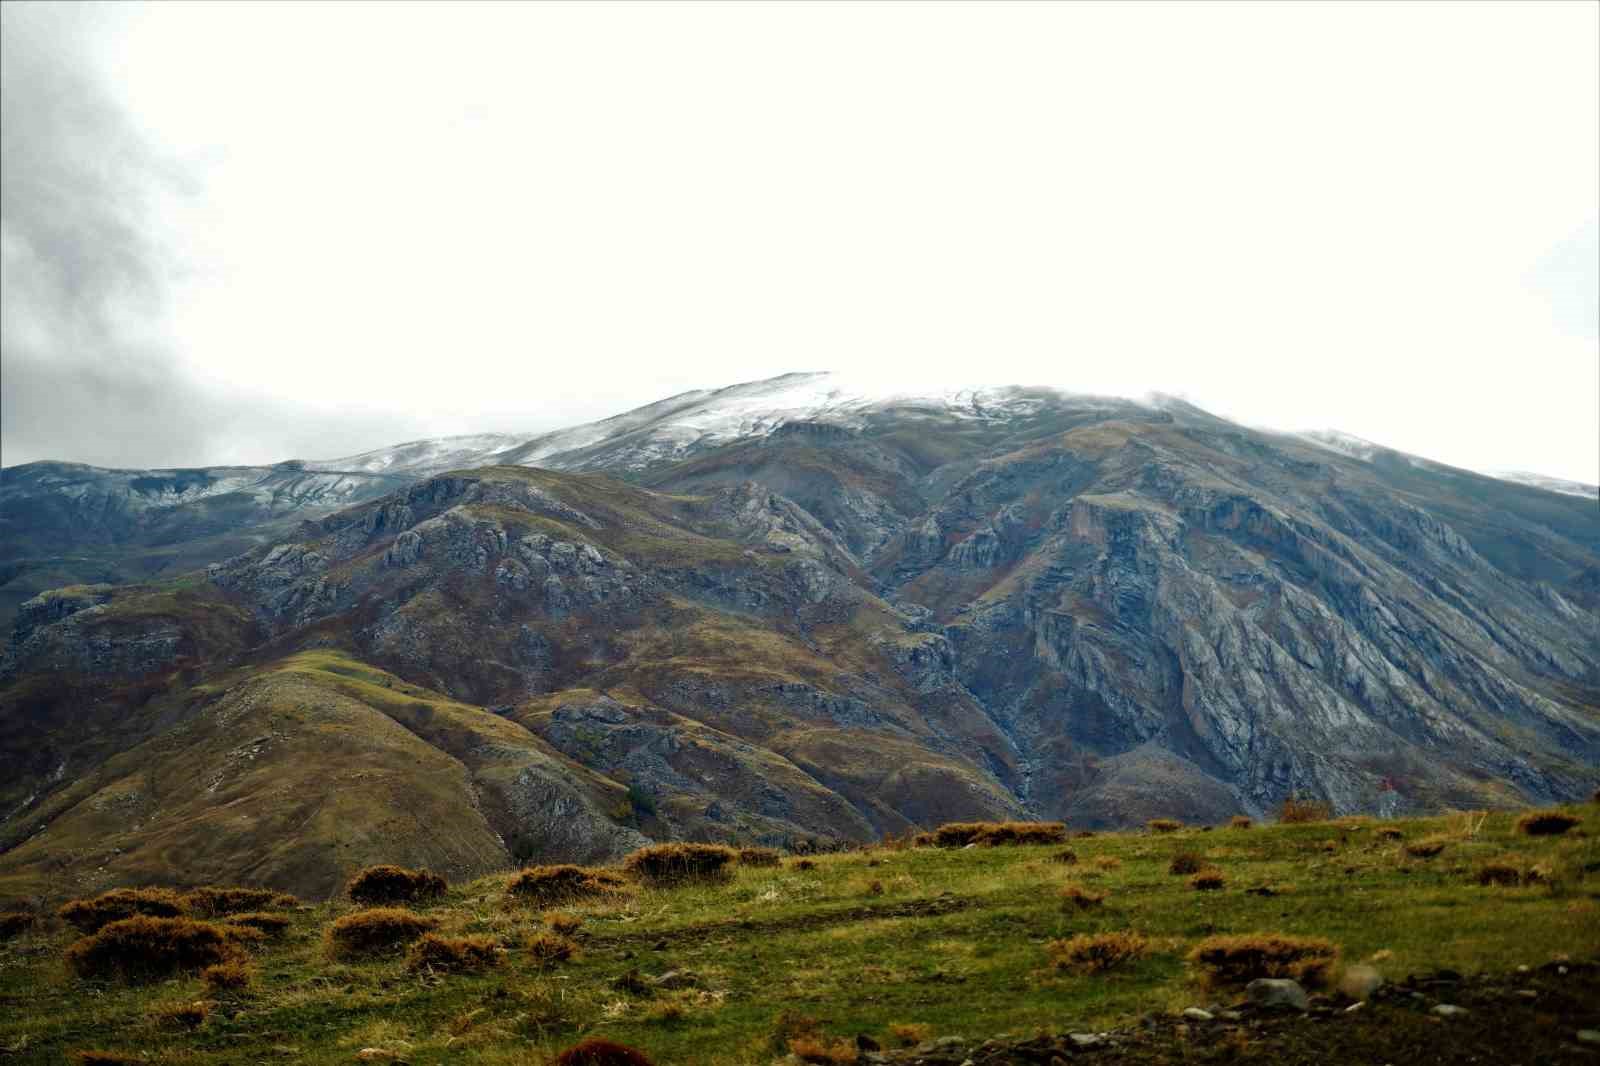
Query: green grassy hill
[[899, 944]]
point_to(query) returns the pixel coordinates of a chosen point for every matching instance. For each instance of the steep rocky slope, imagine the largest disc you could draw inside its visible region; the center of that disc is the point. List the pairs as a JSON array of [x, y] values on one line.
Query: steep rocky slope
[[807, 616]]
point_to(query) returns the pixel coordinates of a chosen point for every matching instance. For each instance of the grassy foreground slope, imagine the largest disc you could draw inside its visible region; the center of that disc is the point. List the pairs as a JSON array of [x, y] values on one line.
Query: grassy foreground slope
[[953, 940]]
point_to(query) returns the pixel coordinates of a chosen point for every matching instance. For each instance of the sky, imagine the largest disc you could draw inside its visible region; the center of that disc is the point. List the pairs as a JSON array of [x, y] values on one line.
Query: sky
[[245, 233]]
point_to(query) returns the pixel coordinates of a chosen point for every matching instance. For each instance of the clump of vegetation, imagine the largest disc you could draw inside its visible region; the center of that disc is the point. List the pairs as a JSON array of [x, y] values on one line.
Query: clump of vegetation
[[1546, 823], [1238, 960], [545, 886], [1427, 847], [1163, 825], [143, 947], [818, 1049], [1083, 899], [212, 902], [15, 923], [388, 884], [181, 1015], [265, 922], [1066, 857], [597, 1052], [674, 864], [89, 1057], [1296, 811], [549, 947], [562, 924], [228, 976], [1208, 880], [802, 864], [90, 915], [1108, 863], [760, 857], [1184, 863], [993, 834], [1096, 952], [1498, 872], [461, 954], [910, 1034], [1239, 821], [375, 930], [1388, 832]]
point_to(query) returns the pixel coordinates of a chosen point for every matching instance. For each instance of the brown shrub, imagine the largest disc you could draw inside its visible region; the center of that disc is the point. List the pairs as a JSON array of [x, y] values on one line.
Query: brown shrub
[[993, 834], [545, 886], [1238, 960], [1239, 821], [1427, 847], [1096, 952], [675, 864], [562, 924], [910, 1034], [1498, 873], [1066, 857], [1163, 825], [596, 1052], [1388, 832], [15, 923], [1108, 862], [211, 902], [1296, 810], [181, 1015], [1208, 880], [263, 921], [789, 1026], [229, 976], [817, 1049], [459, 954], [376, 930], [549, 947], [90, 915], [379, 885], [1076, 896], [1546, 823], [1184, 863], [143, 947], [802, 864], [761, 857]]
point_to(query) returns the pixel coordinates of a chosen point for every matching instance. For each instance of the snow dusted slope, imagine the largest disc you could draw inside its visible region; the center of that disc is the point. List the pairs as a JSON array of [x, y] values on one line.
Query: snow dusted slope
[[1549, 484]]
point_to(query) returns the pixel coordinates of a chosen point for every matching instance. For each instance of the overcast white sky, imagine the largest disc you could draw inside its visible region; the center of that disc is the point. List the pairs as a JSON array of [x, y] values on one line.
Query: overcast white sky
[[249, 233]]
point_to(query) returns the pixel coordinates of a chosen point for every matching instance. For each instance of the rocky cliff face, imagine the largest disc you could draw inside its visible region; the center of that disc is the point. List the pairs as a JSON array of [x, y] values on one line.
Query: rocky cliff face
[[845, 623]]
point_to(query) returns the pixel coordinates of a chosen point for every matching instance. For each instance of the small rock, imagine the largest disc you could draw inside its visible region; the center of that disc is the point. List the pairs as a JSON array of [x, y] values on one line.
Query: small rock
[[1352, 1008], [866, 1043], [1277, 992], [1526, 993], [947, 1043], [676, 979], [1085, 1041], [1231, 1015], [1449, 1010], [1195, 1014], [1589, 1036], [1360, 981], [659, 945]]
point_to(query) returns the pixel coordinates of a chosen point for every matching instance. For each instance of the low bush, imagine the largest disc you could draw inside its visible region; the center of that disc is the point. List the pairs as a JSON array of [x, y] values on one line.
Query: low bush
[[1163, 825], [91, 915], [1427, 847], [15, 923], [1388, 832], [1108, 863], [1238, 960], [107, 1058], [263, 921], [461, 954], [376, 930], [1184, 863], [1498, 872], [212, 902], [760, 857], [181, 1015], [562, 923], [802, 864], [597, 1052], [545, 886], [229, 976], [1297, 811], [1208, 880], [1239, 821], [675, 864], [910, 1034], [143, 947], [993, 834], [549, 947], [1096, 952], [818, 1049], [1066, 857], [1080, 898], [387, 884], [1546, 823]]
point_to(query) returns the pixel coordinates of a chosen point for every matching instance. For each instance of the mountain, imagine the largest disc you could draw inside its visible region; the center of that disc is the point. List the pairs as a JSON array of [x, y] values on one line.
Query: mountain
[[784, 611]]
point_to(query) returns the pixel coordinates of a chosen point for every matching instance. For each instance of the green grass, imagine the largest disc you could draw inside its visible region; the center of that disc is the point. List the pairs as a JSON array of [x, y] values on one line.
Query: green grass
[[954, 939]]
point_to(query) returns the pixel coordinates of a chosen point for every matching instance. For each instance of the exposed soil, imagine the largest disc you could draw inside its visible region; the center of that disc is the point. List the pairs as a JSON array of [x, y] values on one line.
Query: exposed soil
[[1516, 1019]]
